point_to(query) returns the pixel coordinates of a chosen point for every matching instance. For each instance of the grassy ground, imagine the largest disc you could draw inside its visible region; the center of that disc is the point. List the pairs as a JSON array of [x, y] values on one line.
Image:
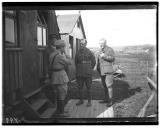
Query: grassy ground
[[131, 93]]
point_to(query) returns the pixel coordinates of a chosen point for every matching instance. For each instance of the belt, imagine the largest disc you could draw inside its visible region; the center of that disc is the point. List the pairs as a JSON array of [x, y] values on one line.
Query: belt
[[57, 70], [110, 73], [86, 62]]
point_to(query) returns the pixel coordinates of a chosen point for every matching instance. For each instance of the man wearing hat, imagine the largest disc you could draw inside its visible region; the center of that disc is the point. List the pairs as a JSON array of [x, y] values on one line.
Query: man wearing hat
[[85, 62], [49, 49], [59, 78], [49, 92], [104, 66]]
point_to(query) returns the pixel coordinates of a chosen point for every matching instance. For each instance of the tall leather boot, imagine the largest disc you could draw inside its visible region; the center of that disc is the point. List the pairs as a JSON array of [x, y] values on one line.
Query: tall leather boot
[[58, 111], [110, 92], [61, 109], [110, 103], [81, 98], [106, 100]]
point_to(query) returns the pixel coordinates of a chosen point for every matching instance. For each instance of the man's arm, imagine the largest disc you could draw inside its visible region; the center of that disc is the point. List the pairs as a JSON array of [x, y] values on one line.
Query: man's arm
[[64, 60], [93, 60]]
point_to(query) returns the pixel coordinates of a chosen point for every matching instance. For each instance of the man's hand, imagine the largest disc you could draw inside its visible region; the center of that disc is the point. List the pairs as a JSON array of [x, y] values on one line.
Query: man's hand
[[95, 68], [67, 56], [102, 55]]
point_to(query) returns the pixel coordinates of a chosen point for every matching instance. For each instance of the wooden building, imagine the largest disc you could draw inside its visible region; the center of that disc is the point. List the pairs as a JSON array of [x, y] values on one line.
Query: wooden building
[[72, 31], [25, 37]]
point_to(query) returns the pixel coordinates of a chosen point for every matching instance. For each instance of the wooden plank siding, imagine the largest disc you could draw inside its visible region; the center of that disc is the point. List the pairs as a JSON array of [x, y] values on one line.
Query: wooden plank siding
[[42, 63], [13, 79]]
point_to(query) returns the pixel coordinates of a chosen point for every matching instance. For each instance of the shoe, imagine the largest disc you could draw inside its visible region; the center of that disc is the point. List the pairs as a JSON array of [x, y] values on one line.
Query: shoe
[[103, 101], [89, 104], [109, 104], [58, 112], [65, 111], [79, 102]]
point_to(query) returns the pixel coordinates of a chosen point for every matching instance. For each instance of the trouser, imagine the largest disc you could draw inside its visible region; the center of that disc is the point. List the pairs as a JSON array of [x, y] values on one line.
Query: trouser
[[88, 82], [107, 81], [61, 90], [61, 94]]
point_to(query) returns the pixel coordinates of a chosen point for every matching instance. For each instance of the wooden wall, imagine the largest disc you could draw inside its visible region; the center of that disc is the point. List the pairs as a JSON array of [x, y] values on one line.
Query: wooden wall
[[12, 75], [28, 42]]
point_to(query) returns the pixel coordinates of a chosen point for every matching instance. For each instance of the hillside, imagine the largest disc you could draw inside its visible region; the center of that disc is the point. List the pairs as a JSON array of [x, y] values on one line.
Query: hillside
[[131, 49]]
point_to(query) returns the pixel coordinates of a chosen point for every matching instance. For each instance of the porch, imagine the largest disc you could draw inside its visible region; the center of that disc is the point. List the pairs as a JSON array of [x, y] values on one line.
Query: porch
[[97, 110]]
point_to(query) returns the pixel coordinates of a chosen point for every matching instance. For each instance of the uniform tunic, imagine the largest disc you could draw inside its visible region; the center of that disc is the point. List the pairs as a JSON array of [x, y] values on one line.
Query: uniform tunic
[[85, 62], [59, 76]]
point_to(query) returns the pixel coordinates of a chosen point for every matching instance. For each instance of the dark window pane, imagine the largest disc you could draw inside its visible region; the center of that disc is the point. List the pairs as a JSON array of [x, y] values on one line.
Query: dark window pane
[[9, 30], [71, 46], [44, 36]]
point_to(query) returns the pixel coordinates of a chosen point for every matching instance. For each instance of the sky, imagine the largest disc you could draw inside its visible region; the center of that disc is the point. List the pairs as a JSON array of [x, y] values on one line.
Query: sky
[[119, 27]]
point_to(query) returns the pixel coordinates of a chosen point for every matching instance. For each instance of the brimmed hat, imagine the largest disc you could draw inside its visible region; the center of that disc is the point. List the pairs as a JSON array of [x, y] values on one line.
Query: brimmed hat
[[60, 43]]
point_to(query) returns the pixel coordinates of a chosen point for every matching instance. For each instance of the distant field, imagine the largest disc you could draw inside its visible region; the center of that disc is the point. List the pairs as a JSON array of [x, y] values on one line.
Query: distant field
[[131, 93], [137, 68]]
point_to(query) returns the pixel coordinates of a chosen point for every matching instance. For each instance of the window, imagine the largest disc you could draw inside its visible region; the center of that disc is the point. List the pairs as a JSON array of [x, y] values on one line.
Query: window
[[71, 46], [78, 24], [41, 30], [10, 30], [77, 44]]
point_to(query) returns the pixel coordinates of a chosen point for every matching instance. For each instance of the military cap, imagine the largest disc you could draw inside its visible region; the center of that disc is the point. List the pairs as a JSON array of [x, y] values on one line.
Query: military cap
[[52, 39], [59, 43]]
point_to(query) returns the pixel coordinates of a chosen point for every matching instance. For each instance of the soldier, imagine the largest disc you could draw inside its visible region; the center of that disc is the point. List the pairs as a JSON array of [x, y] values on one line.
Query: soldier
[[85, 62], [59, 79], [105, 68], [49, 49]]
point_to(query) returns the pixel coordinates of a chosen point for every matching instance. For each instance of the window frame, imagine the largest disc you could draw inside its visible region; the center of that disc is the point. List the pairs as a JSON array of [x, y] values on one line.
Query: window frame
[[71, 42], [77, 44], [42, 26], [14, 18]]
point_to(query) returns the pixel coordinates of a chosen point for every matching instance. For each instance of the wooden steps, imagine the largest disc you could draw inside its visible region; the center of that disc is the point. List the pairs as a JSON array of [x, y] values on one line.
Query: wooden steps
[[48, 113], [38, 106]]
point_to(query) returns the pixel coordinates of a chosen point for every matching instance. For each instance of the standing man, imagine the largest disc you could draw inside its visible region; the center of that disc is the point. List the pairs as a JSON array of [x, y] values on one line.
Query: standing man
[[59, 79], [49, 49], [85, 62], [105, 61]]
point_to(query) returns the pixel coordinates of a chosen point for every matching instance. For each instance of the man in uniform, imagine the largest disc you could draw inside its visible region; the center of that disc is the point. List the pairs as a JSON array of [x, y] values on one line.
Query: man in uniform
[[85, 62], [59, 79], [49, 49], [105, 61]]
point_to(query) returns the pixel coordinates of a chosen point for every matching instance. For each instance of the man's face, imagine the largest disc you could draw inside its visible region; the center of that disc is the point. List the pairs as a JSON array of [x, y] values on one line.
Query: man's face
[[62, 49], [82, 45], [102, 44], [52, 42]]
